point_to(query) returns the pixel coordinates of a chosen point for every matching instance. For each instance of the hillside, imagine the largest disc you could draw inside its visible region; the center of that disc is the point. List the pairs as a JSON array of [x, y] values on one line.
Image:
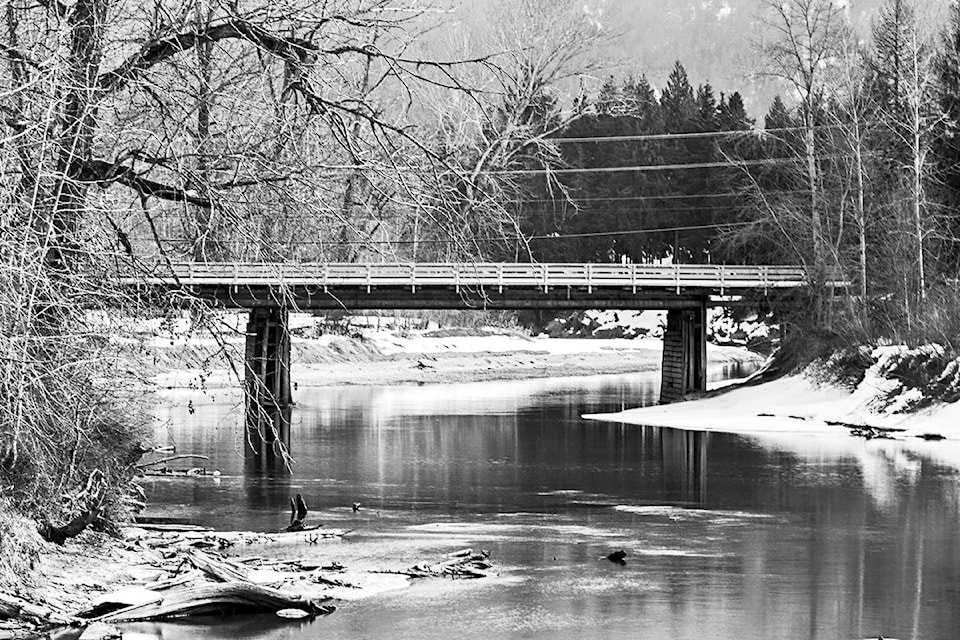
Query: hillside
[[714, 39]]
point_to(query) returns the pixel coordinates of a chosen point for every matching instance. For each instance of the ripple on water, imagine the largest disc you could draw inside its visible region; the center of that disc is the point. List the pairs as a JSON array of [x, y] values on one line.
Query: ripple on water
[[714, 516]]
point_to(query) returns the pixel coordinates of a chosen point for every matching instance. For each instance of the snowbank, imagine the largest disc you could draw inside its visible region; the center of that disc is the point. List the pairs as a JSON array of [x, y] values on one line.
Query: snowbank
[[799, 405]]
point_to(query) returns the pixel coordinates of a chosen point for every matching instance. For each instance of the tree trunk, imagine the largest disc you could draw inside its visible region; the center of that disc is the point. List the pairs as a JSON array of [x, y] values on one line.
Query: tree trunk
[[206, 245], [861, 228], [815, 223], [75, 138]]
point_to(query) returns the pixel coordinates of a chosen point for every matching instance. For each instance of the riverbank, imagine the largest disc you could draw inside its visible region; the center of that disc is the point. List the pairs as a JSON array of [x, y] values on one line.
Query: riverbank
[[386, 358], [94, 582], [827, 399]]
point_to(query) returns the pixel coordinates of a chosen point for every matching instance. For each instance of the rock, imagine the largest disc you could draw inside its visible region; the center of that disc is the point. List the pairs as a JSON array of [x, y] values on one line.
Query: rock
[[100, 631], [617, 557]]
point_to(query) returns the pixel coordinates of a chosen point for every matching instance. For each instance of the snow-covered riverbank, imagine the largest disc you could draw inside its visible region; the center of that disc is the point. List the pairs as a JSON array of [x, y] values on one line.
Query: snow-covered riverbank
[[800, 406], [383, 357]]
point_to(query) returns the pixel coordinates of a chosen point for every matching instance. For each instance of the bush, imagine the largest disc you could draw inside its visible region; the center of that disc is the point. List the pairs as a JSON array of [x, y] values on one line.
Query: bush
[[67, 436], [20, 547]]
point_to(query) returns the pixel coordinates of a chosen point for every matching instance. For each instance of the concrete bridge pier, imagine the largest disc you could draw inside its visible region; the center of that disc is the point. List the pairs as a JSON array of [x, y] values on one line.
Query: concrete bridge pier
[[684, 353], [267, 396]]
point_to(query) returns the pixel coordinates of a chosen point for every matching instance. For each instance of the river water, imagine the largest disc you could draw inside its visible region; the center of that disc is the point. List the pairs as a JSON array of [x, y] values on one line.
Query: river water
[[727, 537]]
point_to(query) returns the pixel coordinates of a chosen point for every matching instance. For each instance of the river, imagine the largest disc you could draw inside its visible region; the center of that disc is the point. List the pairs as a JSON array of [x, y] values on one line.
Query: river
[[727, 537]]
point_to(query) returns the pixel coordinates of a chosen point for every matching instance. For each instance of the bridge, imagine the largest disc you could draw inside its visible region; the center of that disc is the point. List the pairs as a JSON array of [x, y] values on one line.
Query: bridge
[[270, 290], [469, 285]]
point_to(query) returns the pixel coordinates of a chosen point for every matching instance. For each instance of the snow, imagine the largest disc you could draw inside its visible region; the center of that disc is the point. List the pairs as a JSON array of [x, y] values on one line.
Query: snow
[[390, 343], [795, 412]]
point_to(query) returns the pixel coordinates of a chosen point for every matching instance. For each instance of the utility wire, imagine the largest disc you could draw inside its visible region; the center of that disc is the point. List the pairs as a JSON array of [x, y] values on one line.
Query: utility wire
[[759, 133], [688, 196], [641, 168], [558, 236]]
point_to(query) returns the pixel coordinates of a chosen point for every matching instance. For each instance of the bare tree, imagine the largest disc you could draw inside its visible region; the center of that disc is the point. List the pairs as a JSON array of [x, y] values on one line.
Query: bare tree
[[850, 120], [904, 81], [499, 136], [144, 119], [801, 40]]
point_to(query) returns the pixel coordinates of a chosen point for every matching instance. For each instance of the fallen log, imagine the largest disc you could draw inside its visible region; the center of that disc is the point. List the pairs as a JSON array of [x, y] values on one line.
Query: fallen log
[[184, 456], [19, 609], [218, 569], [176, 528], [227, 597]]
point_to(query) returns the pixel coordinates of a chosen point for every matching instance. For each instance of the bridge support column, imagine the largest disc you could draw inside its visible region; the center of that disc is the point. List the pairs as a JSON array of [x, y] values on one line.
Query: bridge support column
[[684, 353], [267, 360], [267, 395]]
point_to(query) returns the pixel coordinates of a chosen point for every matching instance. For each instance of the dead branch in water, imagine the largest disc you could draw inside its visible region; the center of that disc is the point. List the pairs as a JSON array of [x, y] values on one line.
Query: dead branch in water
[[183, 456], [462, 564], [235, 597], [298, 513]]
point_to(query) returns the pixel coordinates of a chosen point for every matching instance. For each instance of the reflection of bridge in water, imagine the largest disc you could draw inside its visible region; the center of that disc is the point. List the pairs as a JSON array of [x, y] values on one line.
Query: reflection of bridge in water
[[271, 291], [684, 459]]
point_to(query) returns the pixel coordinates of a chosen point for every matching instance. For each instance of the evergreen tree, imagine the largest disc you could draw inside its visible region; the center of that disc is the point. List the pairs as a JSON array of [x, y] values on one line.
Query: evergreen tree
[[610, 99], [641, 95], [707, 111], [678, 102], [947, 144], [732, 114], [889, 63]]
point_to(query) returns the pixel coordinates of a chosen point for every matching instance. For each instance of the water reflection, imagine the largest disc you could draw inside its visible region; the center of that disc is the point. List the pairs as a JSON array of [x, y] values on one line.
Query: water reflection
[[267, 439], [726, 537], [684, 460]]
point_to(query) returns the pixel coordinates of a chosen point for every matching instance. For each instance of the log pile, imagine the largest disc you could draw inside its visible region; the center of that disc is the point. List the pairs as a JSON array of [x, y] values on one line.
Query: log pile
[[191, 579]]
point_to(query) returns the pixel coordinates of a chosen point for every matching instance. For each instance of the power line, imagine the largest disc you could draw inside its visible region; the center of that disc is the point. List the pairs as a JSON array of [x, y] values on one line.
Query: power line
[[557, 236], [638, 231], [575, 199], [640, 168], [759, 133]]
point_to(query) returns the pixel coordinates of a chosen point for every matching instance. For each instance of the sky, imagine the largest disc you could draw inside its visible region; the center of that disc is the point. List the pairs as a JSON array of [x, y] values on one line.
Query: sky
[[714, 39]]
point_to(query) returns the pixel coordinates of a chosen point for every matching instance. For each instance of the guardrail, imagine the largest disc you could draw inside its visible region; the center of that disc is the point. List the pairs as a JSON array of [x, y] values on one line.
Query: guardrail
[[499, 275]]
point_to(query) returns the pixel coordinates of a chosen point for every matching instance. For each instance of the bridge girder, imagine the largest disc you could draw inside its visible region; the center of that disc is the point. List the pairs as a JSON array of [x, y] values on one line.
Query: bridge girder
[[351, 298]]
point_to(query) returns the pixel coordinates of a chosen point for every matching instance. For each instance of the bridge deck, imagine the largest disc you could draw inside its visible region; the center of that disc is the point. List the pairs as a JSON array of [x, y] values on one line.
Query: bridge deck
[[490, 285]]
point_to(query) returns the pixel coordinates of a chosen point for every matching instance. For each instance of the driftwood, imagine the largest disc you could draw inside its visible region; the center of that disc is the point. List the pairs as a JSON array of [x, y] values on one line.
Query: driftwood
[[233, 597], [91, 498], [17, 608], [298, 514], [184, 456], [168, 543], [866, 431], [461, 564], [220, 570], [176, 527]]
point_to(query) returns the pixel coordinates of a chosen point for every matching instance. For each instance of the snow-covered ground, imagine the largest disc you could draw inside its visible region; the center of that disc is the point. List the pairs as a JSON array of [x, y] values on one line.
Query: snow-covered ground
[[494, 341], [803, 412]]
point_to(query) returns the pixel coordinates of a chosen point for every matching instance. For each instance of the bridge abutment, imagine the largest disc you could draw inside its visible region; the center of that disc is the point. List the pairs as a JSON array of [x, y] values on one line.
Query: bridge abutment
[[684, 353]]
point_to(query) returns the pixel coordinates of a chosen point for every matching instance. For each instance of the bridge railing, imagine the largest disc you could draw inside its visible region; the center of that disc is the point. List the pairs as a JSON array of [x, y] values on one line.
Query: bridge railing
[[544, 275]]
